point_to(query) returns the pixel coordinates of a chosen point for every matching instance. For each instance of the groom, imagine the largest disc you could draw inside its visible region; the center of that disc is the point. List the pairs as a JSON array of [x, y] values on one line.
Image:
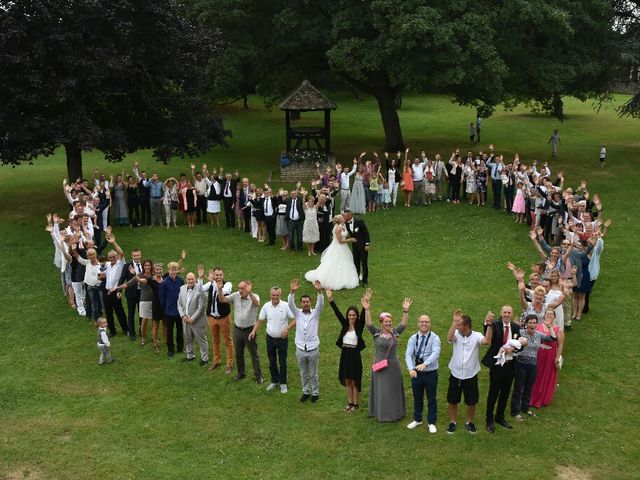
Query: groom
[[357, 230]]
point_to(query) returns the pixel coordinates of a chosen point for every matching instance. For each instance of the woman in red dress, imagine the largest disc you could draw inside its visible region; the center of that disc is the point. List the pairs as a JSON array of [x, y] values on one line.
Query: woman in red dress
[[549, 356]]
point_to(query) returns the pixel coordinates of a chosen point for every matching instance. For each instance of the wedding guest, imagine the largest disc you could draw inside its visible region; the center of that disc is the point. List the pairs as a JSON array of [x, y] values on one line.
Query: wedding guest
[[526, 367], [421, 358], [386, 394], [351, 344], [407, 182], [282, 228], [310, 229], [549, 362], [280, 320], [464, 367], [307, 340], [245, 310], [168, 293], [170, 201]]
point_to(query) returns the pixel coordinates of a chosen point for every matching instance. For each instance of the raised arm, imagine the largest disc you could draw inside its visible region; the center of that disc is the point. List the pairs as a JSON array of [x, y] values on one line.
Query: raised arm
[[112, 240], [455, 325], [406, 305], [291, 299], [334, 307], [365, 301], [536, 243]]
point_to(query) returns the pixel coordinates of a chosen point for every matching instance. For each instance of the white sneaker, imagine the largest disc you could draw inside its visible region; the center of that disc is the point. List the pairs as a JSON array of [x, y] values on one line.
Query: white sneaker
[[413, 425], [283, 388], [271, 386], [432, 428]]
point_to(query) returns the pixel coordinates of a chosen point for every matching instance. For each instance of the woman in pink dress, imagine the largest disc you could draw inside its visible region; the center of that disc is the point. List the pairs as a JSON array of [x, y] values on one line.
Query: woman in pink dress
[[548, 362], [519, 203]]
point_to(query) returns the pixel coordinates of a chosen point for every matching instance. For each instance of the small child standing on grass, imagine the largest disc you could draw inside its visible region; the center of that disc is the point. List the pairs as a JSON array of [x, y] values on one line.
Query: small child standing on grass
[[104, 345]]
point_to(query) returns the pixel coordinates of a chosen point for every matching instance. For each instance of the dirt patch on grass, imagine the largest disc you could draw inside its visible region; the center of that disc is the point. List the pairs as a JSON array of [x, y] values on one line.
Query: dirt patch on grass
[[25, 473], [564, 472]]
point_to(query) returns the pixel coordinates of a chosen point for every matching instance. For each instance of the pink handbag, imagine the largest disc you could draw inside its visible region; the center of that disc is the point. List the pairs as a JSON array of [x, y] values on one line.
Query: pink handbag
[[381, 365], [384, 363]]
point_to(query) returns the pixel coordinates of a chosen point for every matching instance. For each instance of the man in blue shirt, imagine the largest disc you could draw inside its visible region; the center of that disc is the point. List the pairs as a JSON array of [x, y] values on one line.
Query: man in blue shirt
[[168, 292], [156, 192], [421, 357], [495, 167]]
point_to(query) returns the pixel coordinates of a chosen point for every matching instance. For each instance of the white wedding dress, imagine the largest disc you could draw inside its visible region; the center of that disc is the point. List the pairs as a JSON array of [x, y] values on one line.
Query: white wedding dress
[[336, 270]]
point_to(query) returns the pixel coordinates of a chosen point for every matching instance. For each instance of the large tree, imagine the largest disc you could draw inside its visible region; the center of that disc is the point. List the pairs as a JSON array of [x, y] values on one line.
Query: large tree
[[627, 25], [481, 52], [115, 75]]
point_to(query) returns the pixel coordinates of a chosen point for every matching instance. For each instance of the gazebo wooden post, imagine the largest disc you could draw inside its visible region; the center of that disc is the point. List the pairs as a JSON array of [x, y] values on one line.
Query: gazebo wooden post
[[288, 130], [327, 131]]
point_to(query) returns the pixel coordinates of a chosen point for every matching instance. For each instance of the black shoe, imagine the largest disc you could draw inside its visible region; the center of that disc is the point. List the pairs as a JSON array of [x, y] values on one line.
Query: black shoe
[[567, 328], [451, 428], [314, 398], [505, 424], [491, 427], [259, 380], [471, 428], [239, 377], [133, 339], [170, 354], [188, 359], [204, 363], [304, 397]]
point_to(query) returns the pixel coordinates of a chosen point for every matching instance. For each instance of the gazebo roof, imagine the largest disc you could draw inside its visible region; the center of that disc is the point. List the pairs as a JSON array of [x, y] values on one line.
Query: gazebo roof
[[306, 97]]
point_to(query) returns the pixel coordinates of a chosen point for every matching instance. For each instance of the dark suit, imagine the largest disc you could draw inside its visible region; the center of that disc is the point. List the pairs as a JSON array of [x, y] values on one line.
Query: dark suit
[[295, 226], [228, 187], [500, 377], [270, 220], [360, 232], [245, 208], [132, 293]]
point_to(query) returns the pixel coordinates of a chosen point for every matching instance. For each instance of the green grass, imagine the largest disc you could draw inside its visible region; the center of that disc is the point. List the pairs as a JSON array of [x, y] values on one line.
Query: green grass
[[148, 417]]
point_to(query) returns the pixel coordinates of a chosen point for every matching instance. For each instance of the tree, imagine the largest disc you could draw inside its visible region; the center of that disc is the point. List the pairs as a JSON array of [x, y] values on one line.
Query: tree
[[115, 75], [481, 52], [627, 26]]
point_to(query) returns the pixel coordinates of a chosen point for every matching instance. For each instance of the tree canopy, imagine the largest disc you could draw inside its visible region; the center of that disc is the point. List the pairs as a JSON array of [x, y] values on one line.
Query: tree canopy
[[482, 52], [115, 75]]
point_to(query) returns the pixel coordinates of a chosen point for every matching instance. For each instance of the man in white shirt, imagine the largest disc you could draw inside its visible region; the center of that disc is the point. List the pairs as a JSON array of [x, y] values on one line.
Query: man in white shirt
[[417, 169], [277, 313], [200, 185], [464, 367], [218, 315], [343, 178], [112, 297], [307, 340]]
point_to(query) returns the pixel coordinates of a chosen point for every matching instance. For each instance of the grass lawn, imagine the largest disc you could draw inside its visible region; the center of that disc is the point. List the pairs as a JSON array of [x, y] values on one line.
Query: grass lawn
[[149, 417]]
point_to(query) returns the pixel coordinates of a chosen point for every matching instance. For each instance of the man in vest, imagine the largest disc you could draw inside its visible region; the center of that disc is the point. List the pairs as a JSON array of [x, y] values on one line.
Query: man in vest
[[218, 315]]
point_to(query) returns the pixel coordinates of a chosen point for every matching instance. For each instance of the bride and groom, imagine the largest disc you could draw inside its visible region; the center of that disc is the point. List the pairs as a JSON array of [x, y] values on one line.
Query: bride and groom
[[340, 268]]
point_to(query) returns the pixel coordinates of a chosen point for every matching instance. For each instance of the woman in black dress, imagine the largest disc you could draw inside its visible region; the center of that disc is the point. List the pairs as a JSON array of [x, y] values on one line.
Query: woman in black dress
[[190, 199], [133, 203], [351, 344], [324, 224]]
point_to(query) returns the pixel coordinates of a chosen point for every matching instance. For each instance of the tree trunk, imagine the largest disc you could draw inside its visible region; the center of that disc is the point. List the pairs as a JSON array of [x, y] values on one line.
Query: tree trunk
[[74, 162], [391, 123]]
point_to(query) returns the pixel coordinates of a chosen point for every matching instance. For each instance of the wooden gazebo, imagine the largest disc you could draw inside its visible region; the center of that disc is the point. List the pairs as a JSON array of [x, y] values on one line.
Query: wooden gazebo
[[307, 98]]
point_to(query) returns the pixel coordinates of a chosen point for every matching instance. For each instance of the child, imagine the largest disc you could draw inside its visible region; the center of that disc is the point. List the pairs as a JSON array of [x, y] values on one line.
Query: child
[[103, 342], [385, 194], [518, 203], [513, 343]]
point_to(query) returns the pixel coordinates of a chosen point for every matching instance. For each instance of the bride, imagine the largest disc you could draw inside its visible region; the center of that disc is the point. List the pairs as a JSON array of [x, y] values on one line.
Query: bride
[[336, 270]]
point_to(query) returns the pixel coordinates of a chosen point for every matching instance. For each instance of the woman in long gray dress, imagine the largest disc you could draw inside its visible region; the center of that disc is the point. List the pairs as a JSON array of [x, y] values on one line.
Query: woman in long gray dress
[[386, 393], [119, 207], [358, 198]]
